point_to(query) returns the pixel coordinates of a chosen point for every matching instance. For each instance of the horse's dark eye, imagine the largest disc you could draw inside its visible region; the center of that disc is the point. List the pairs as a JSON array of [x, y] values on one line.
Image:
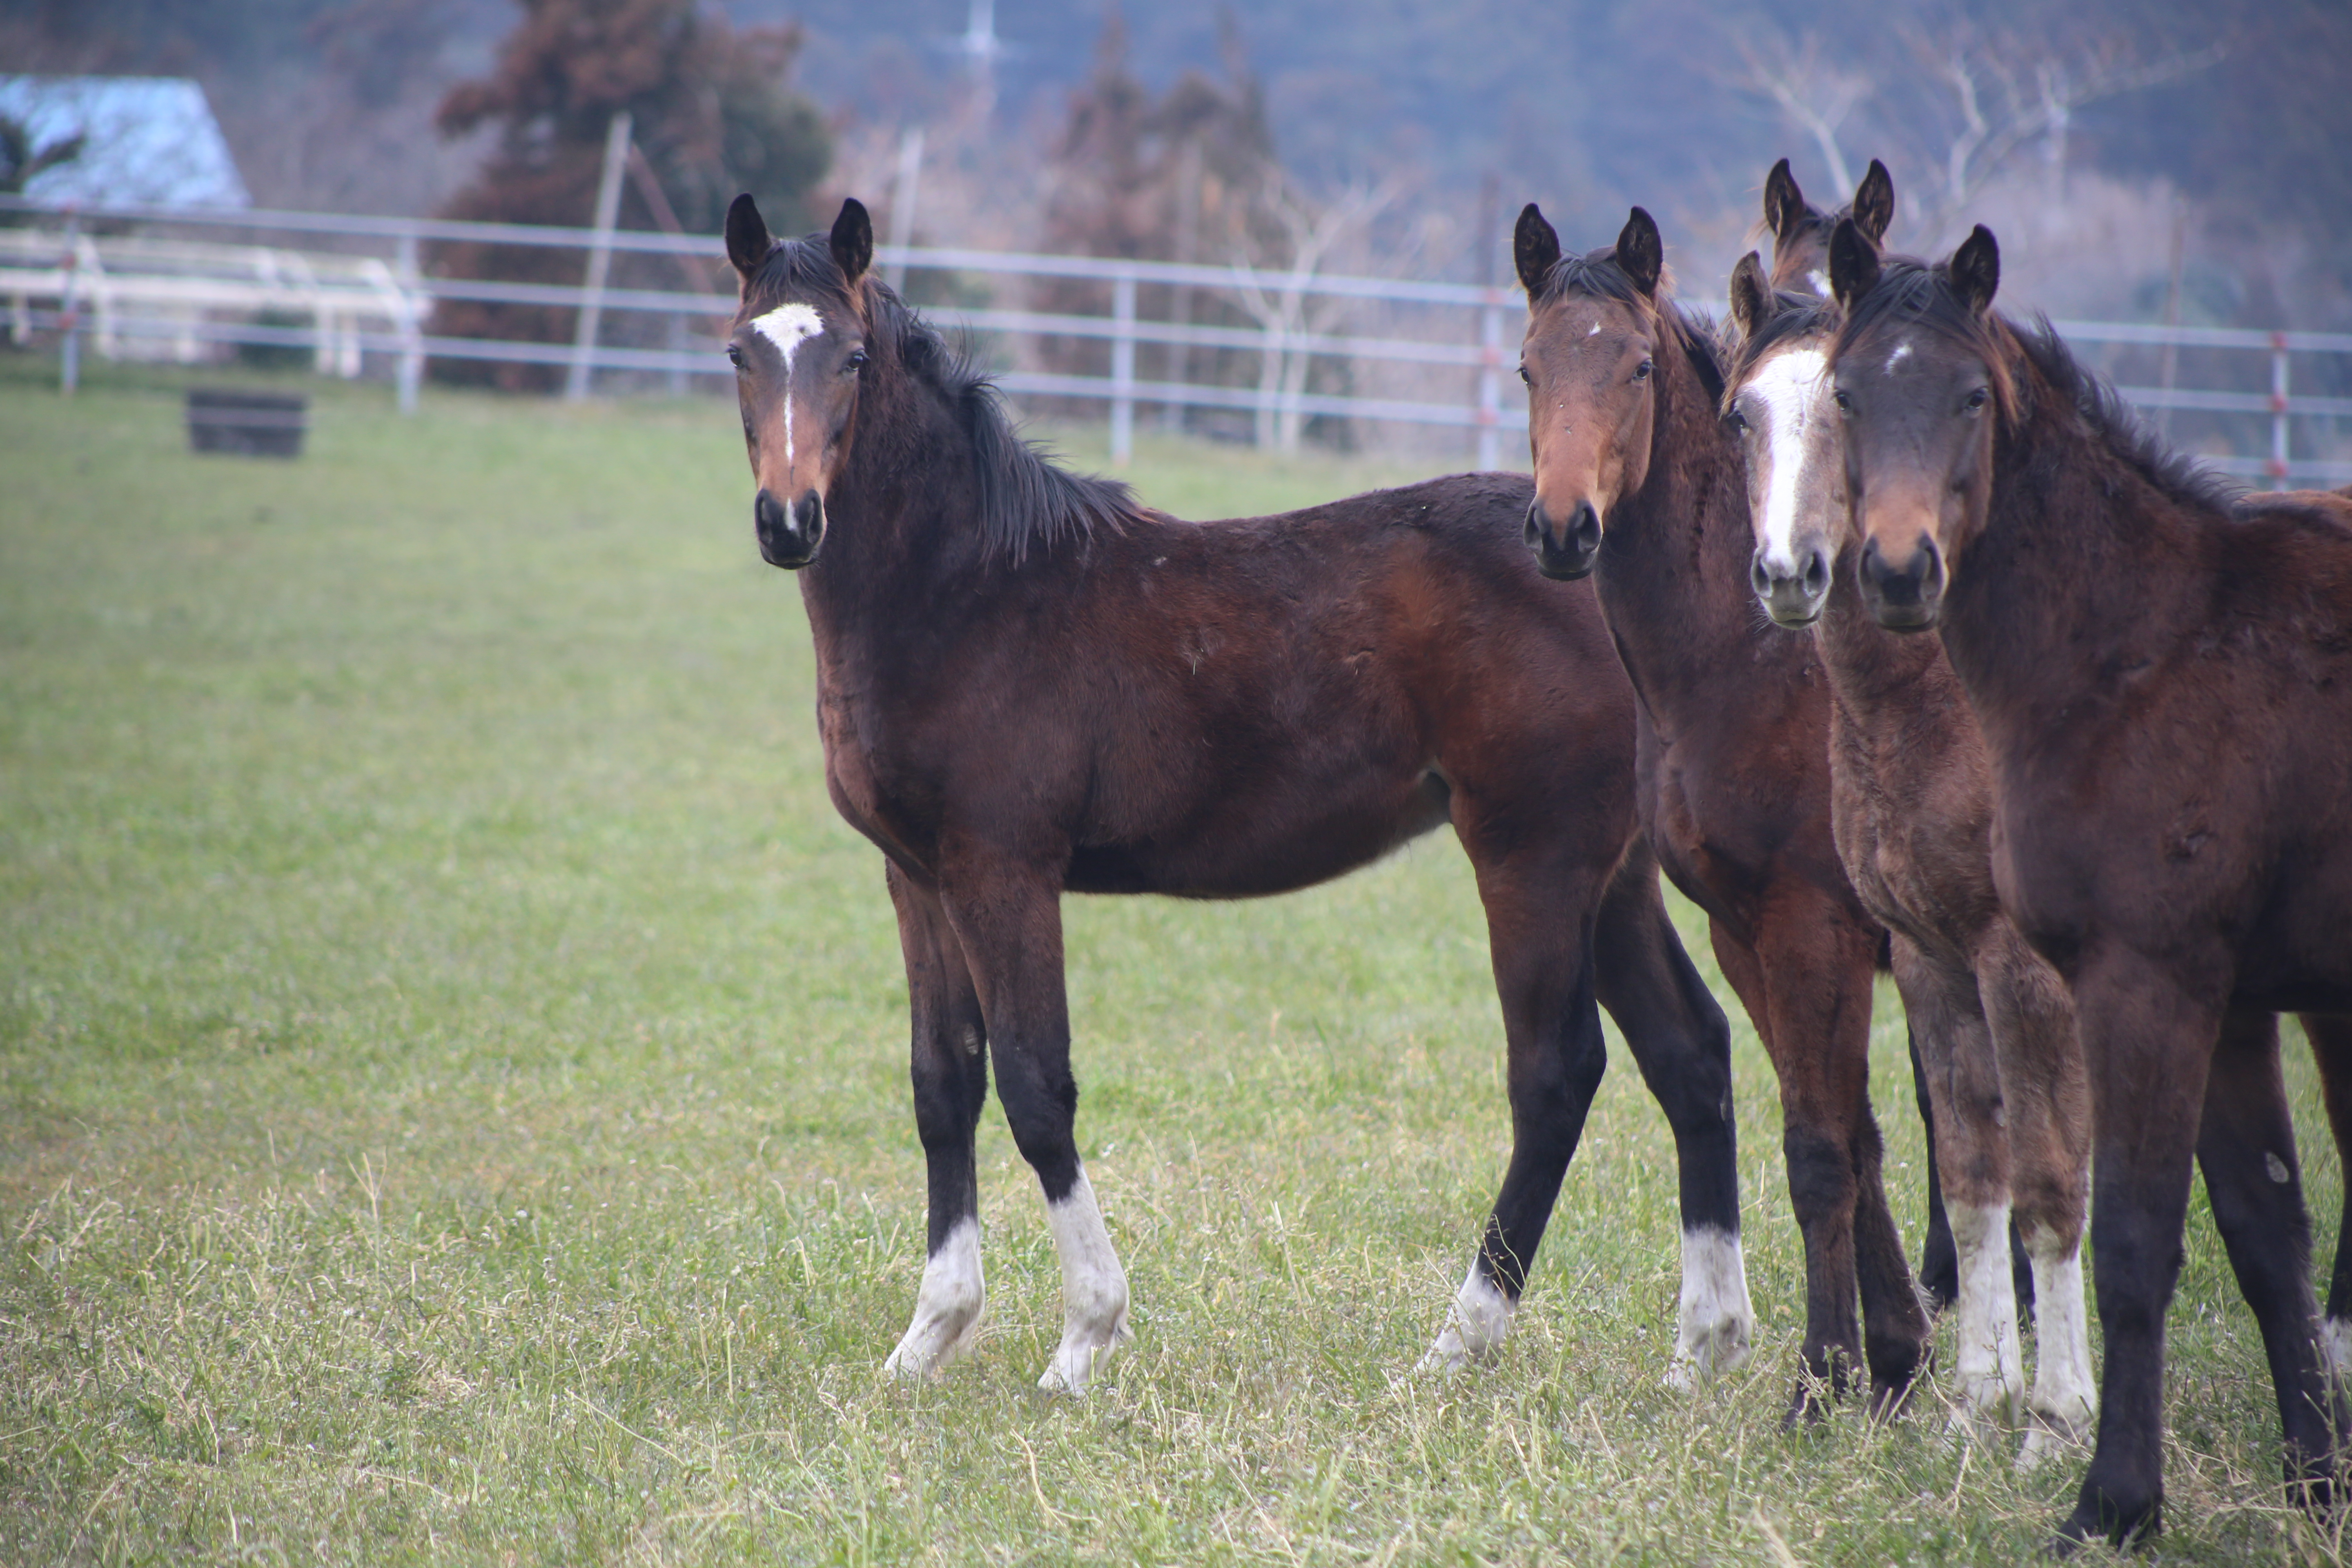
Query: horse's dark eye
[[856, 362], [1525, 376], [1642, 370], [1738, 423], [735, 356], [1845, 404], [1978, 398]]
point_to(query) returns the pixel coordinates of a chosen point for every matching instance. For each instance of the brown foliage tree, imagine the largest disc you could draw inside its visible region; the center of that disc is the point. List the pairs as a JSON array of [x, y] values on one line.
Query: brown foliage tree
[[712, 116]]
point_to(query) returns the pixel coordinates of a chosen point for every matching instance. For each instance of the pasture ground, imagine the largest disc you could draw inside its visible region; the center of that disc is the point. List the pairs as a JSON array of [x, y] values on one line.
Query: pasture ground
[[453, 1094]]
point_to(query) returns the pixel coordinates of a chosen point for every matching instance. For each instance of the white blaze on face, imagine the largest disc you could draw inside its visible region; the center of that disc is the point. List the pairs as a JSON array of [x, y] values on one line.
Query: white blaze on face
[[947, 1307], [1792, 392], [788, 327], [1482, 1318], [1717, 1319], [1820, 282], [1094, 1290], [1902, 351]]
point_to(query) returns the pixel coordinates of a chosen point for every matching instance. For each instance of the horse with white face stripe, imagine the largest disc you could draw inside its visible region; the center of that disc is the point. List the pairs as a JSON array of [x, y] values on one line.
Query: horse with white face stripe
[[1911, 806], [1029, 685]]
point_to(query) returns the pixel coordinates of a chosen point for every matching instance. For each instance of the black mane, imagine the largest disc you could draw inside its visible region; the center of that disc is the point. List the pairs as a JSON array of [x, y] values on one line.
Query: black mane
[[1599, 275], [1026, 499], [2118, 425], [1912, 289]]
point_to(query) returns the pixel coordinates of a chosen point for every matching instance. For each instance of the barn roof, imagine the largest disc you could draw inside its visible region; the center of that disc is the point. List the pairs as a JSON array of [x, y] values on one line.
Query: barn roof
[[152, 139]]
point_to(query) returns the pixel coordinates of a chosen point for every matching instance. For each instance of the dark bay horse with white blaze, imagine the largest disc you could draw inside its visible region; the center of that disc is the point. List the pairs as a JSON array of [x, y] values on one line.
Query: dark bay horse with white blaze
[[1911, 802], [1621, 393], [1028, 685], [1801, 262], [2162, 671]]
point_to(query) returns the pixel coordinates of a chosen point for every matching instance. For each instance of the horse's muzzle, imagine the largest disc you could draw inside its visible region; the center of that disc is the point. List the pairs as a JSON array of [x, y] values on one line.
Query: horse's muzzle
[[1569, 554], [1905, 597], [1792, 599], [788, 538]]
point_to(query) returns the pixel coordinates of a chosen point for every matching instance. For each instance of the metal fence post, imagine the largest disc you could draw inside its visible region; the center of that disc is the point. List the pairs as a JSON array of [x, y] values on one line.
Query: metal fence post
[[599, 257], [411, 375], [1490, 382], [70, 308], [1122, 370], [2278, 412]]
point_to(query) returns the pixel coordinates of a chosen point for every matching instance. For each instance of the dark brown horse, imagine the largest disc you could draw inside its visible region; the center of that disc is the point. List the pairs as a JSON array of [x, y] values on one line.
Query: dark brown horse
[[1800, 260], [1912, 803], [1028, 685], [2162, 671], [1623, 388]]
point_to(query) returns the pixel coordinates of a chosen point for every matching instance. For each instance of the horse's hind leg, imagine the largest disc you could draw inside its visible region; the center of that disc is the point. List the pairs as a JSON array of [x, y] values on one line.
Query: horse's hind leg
[[1964, 1092], [1682, 1043], [2331, 1051], [1009, 921], [2245, 1146], [1539, 919], [950, 1066], [2048, 1101]]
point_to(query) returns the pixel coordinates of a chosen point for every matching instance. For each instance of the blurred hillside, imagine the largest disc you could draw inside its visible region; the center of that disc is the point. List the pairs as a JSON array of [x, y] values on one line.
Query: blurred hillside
[[2104, 141]]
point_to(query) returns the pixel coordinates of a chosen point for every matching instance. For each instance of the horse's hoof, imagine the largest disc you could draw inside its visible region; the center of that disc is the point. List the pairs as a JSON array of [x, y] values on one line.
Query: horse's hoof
[[1084, 1350], [1714, 1351], [2050, 1436], [1448, 1356]]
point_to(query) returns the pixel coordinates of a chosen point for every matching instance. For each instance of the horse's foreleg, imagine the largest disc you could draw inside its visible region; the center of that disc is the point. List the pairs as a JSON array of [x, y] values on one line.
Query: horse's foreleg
[[950, 1068], [2147, 1046], [2048, 1101], [1939, 1260], [1539, 924], [1682, 1044], [2331, 1051], [1008, 921], [2245, 1146], [1812, 964], [1955, 1049]]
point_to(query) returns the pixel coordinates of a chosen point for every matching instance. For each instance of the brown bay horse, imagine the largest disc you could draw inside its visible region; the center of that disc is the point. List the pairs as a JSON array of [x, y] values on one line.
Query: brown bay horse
[[1801, 261], [1734, 764], [1029, 685], [2162, 673], [1911, 802]]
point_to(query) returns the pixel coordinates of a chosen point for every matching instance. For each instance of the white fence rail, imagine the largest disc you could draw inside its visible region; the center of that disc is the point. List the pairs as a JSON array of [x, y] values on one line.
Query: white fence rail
[[124, 289]]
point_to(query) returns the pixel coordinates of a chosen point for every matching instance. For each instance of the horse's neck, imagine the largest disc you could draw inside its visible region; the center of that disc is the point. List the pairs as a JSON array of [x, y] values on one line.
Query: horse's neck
[[1674, 564], [900, 542], [1880, 677], [2085, 574]]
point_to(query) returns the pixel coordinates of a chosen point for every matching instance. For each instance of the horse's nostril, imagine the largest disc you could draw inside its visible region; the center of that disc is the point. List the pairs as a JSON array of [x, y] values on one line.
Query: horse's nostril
[[1817, 573], [1536, 521], [1758, 578]]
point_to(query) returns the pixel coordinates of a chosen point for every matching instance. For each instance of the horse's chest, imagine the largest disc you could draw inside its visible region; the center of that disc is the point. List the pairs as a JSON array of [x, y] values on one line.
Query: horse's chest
[[867, 789]]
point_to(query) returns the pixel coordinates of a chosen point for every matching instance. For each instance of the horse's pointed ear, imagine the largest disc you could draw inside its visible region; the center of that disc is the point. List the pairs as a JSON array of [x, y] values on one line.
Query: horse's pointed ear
[[1784, 204], [1752, 301], [852, 241], [1976, 270], [1853, 263], [747, 235], [1535, 249], [1873, 203], [1640, 253]]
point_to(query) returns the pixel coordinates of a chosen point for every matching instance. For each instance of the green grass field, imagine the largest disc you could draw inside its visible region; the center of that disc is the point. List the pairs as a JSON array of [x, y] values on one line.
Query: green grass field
[[453, 1096]]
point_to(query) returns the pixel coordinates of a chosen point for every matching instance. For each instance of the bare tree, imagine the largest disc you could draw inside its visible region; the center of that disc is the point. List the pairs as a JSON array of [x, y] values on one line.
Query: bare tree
[[1972, 103], [1273, 286]]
